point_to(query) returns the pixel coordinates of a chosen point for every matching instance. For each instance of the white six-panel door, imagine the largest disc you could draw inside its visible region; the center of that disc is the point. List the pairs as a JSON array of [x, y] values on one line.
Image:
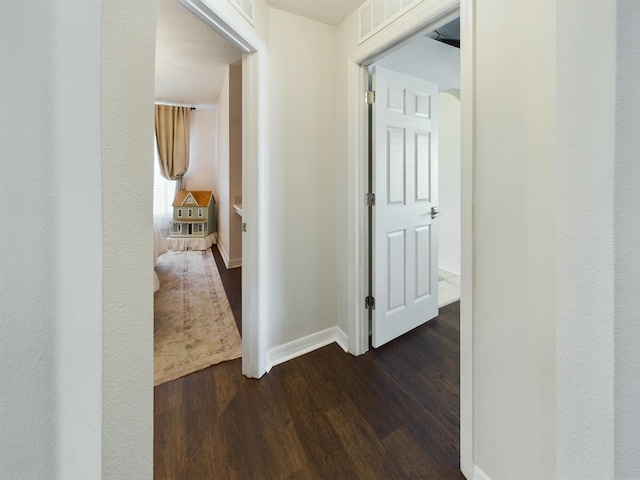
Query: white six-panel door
[[405, 237]]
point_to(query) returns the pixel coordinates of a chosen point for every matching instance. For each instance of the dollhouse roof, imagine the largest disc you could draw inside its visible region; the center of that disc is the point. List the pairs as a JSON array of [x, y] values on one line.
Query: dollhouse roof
[[201, 197]]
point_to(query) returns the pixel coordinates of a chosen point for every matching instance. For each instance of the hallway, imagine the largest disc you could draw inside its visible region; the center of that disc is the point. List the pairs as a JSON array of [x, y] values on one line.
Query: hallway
[[392, 413]]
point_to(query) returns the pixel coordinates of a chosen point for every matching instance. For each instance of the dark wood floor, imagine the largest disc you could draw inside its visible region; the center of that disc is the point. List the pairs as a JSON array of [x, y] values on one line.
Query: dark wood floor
[[389, 414], [232, 282]]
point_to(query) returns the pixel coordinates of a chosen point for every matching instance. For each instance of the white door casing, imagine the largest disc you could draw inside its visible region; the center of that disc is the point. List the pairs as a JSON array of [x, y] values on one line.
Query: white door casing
[[405, 179]]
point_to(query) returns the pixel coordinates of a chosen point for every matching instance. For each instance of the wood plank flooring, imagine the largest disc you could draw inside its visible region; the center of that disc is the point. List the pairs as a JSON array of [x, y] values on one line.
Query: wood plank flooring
[[232, 283], [389, 414]]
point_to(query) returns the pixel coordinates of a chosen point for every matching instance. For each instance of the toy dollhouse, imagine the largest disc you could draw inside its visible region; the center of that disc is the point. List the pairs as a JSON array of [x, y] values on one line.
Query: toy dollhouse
[[194, 214]]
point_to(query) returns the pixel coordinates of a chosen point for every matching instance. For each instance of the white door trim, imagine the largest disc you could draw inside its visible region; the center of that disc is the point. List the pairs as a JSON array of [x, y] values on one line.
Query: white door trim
[[424, 17], [223, 19]]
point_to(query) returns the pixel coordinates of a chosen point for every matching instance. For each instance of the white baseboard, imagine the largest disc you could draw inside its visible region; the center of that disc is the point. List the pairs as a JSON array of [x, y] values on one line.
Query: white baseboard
[[223, 253], [229, 263], [449, 268], [296, 348], [479, 474], [341, 339], [234, 263]]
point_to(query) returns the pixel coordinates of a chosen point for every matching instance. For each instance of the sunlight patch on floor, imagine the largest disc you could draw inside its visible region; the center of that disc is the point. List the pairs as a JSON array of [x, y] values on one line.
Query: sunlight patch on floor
[[448, 287]]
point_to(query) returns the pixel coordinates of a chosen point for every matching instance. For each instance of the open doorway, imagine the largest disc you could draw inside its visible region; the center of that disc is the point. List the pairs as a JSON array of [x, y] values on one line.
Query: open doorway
[[216, 18], [415, 178], [421, 23], [197, 180]]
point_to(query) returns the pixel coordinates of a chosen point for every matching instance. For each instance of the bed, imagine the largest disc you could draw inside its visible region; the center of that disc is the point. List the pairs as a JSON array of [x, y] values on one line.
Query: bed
[[159, 247]]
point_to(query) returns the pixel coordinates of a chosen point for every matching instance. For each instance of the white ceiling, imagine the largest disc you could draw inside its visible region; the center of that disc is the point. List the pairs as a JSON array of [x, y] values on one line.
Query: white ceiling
[[191, 59], [332, 12]]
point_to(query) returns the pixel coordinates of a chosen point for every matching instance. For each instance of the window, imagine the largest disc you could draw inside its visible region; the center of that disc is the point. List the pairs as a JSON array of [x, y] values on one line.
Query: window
[[191, 212], [179, 212], [163, 195], [200, 212]]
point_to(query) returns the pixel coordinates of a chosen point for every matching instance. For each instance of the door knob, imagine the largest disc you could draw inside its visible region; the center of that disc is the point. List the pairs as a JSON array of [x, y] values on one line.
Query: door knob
[[435, 212]]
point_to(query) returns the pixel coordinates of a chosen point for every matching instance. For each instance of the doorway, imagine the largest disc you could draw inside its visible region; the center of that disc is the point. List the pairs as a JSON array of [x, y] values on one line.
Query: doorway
[[215, 17], [416, 167], [421, 21]]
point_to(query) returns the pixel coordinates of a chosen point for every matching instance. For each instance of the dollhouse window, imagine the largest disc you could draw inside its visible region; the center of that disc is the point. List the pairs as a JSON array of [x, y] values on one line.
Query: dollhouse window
[[191, 212], [200, 212], [179, 212]]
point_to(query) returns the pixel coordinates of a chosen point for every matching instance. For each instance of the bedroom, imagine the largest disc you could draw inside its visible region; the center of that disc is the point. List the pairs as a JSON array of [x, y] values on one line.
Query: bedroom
[[198, 70]]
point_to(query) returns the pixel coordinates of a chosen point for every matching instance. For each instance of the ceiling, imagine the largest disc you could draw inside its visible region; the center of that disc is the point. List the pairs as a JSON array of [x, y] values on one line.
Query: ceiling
[[191, 59], [449, 33], [332, 12]]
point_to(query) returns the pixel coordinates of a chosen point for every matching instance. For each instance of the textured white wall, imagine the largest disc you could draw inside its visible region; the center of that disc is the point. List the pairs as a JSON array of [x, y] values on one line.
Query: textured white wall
[[514, 240], [77, 303], [627, 233], [585, 247], [598, 231], [50, 285], [301, 177], [128, 47]]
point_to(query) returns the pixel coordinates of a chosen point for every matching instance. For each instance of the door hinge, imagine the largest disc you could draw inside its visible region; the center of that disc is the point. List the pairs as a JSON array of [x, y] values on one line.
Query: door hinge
[[370, 302], [369, 97], [244, 227], [370, 199]]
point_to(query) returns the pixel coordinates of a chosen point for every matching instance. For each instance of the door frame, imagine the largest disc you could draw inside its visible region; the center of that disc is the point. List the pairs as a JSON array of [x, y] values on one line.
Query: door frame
[[225, 22], [424, 17]]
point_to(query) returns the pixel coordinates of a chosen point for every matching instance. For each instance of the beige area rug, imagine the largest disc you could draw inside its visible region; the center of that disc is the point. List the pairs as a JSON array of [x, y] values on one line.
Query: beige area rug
[[193, 322]]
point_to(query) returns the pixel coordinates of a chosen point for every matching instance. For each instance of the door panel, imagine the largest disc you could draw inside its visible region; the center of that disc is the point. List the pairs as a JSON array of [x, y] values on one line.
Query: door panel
[[405, 245], [423, 166], [396, 254], [396, 168]]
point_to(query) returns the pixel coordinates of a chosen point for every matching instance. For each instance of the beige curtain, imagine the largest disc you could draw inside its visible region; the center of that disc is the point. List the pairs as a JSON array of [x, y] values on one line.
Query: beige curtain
[[172, 137]]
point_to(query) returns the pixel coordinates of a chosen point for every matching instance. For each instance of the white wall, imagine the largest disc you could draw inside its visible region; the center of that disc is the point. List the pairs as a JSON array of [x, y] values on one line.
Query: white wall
[[229, 166], [128, 77], [202, 149], [222, 168], [627, 233], [50, 285], [428, 59], [77, 302], [300, 177], [598, 257], [449, 181], [235, 163], [514, 219]]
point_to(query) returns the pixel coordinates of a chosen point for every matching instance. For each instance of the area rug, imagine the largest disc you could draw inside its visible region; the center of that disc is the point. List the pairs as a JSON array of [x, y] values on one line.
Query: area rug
[[193, 322]]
